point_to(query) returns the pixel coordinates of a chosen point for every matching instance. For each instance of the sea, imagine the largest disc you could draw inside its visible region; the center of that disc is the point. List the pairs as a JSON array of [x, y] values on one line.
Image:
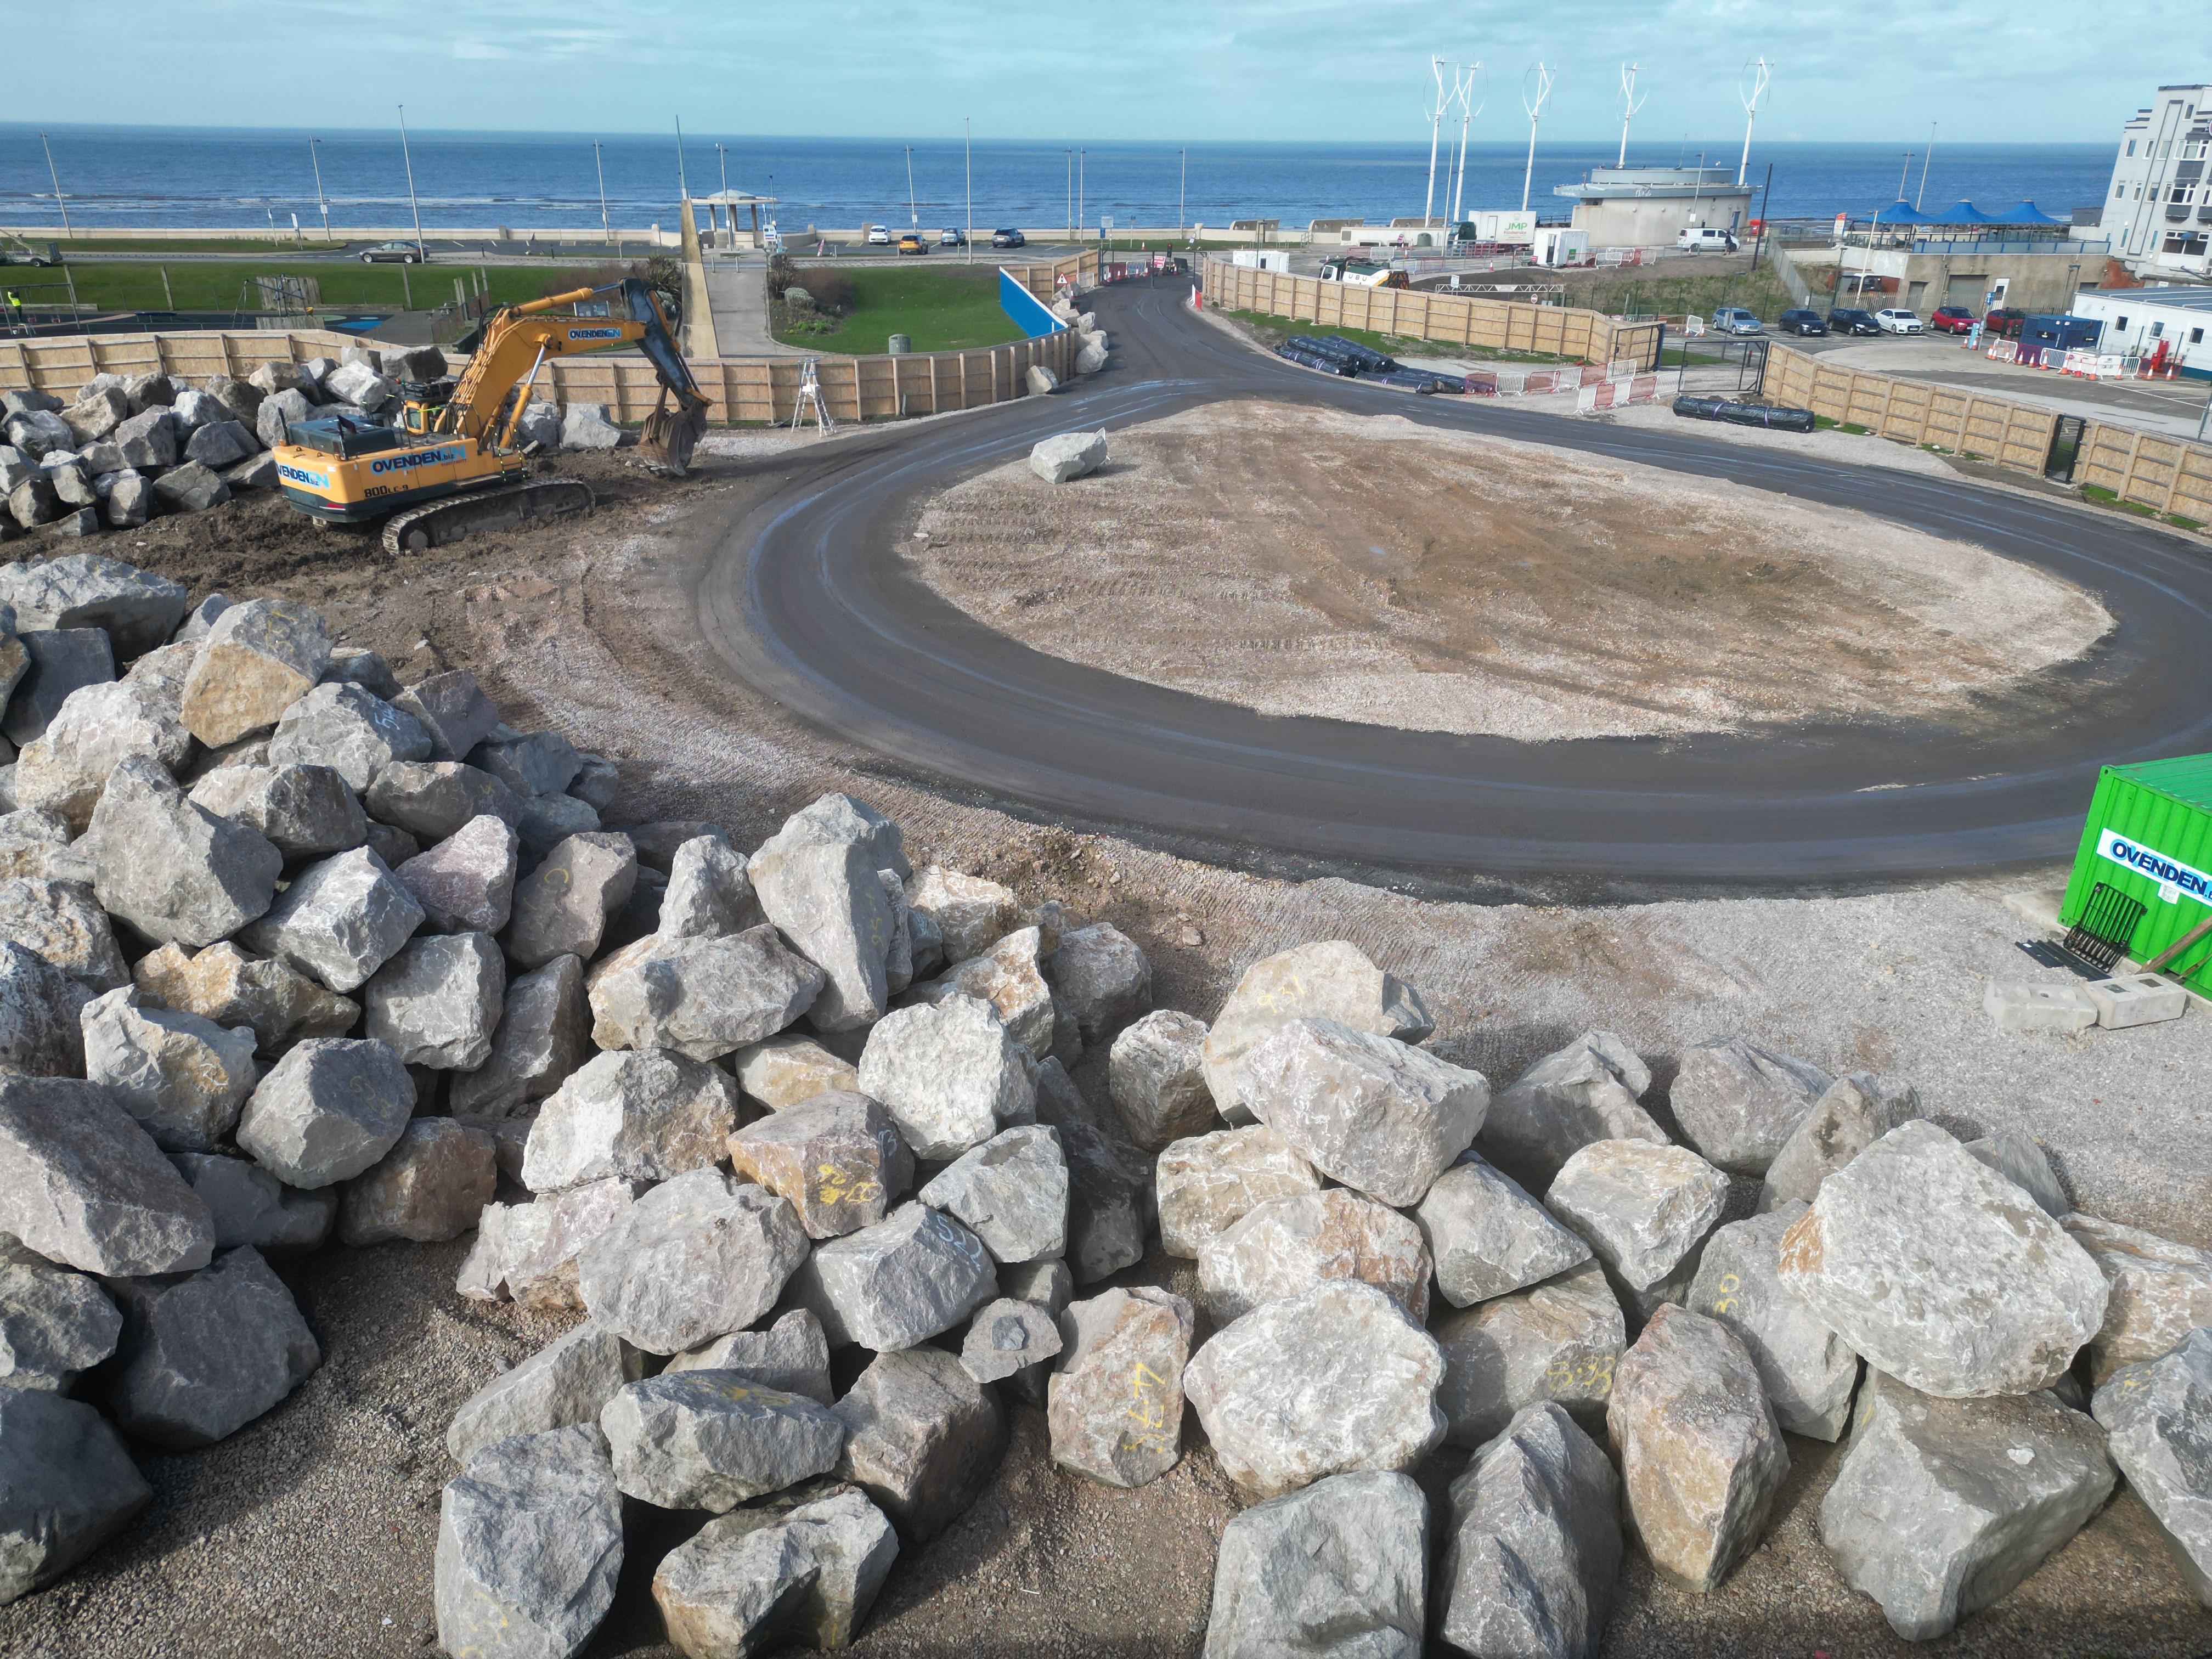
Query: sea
[[114, 177]]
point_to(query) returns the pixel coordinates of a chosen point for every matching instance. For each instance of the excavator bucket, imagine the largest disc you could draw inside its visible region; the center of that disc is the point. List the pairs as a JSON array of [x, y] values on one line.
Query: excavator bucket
[[669, 438]]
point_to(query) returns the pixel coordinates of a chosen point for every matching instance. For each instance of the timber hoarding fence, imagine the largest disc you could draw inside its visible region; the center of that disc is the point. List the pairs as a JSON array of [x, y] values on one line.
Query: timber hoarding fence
[[1590, 336], [2167, 475]]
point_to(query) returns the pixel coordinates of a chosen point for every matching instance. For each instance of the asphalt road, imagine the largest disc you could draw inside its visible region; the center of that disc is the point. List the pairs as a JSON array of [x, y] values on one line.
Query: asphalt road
[[807, 600]]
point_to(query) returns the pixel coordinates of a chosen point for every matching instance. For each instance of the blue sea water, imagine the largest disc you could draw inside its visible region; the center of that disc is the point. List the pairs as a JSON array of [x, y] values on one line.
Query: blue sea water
[[114, 177]]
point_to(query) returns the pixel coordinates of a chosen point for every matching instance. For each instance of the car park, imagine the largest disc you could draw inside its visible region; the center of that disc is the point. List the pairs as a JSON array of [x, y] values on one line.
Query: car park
[[1799, 320], [393, 253], [1897, 319], [878, 236], [1735, 319], [1847, 319], [913, 242], [952, 237], [1952, 320], [1009, 238]]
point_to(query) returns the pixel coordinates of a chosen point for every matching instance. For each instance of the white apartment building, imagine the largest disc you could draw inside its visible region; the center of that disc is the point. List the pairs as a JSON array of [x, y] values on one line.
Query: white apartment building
[[2157, 211]]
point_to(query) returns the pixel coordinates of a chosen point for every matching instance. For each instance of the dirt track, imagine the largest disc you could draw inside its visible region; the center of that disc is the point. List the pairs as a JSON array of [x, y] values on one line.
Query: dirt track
[[311, 1532]]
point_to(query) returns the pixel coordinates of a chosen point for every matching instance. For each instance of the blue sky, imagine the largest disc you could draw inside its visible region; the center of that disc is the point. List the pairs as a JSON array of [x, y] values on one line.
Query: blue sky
[[1997, 70]]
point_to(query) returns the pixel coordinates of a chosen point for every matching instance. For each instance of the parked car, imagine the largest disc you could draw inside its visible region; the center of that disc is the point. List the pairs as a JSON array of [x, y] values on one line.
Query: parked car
[[393, 253], [1846, 319], [1899, 319], [1801, 321], [913, 242], [1009, 238], [2005, 325], [953, 237], [878, 236], [1703, 238], [1735, 319], [1952, 320], [22, 256]]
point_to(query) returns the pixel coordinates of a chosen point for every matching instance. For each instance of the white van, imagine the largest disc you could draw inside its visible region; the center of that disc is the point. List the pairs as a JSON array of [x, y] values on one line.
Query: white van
[[1703, 238]]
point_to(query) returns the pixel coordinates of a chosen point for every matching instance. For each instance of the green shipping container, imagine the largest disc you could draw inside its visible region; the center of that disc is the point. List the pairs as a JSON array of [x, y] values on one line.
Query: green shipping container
[[2149, 836]]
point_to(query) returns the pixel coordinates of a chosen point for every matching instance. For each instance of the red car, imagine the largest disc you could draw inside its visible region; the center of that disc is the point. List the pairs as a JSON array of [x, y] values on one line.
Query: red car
[[2005, 325], [1952, 320]]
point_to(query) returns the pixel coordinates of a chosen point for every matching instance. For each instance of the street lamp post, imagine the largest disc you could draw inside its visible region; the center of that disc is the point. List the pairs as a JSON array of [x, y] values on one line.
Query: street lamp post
[[1082, 212], [1071, 194], [968, 152], [319, 202], [606, 226], [913, 213], [415, 207], [1182, 195], [60, 201]]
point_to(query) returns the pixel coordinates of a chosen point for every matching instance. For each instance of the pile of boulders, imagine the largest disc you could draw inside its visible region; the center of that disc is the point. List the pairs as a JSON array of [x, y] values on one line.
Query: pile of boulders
[[293, 952], [1090, 338]]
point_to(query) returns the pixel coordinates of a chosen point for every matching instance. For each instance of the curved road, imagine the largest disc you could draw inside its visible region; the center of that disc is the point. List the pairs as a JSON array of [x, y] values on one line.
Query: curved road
[[807, 600]]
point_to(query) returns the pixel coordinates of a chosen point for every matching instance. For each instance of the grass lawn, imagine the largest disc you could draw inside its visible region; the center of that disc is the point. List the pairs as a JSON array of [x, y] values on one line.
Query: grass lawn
[[942, 309], [1759, 292], [214, 285], [76, 247], [1274, 331]]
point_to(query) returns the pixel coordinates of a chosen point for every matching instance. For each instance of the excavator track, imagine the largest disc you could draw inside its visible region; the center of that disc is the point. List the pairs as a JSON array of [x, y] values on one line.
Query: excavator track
[[481, 511]]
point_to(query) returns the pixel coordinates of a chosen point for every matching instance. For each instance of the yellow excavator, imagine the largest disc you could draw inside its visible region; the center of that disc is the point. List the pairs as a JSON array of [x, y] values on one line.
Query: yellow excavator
[[452, 460]]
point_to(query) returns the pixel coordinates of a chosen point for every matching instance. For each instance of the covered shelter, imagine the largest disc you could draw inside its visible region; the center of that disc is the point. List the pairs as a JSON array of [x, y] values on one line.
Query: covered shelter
[[722, 215], [2026, 214]]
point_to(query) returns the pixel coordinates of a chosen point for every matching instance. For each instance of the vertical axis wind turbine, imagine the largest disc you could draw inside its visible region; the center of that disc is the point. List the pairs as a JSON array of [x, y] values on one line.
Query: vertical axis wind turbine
[[1535, 109], [1436, 129], [1762, 74], [1463, 90], [1630, 103]]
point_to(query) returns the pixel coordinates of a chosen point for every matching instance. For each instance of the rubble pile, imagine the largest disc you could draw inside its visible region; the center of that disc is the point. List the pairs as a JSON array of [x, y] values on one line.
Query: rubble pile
[[295, 957]]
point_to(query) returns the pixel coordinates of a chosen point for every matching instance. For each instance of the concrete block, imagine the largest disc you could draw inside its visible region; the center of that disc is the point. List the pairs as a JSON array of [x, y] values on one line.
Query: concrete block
[[2137, 1000], [2021, 1005]]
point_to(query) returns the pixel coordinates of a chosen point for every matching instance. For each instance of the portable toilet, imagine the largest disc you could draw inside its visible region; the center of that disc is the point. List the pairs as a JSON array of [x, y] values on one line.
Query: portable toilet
[[2142, 878]]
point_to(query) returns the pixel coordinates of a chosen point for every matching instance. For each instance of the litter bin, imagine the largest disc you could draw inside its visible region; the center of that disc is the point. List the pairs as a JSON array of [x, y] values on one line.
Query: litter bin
[[901, 344], [2148, 843]]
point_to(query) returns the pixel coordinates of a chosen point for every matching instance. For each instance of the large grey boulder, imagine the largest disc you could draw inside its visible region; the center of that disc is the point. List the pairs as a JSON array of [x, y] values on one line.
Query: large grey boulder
[[1339, 1568], [432, 799], [556, 1489], [220, 444], [585, 426], [1371, 1111], [703, 1440], [1067, 456], [1644, 1210], [60, 660], [1012, 1191], [1701, 1457], [1805, 1368], [61, 922], [305, 811], [1335, 1378], [2019, 1158], [1942, 1273], [189, 488], [1488, 1238], [1110, 1207], [566, 1381], [329, 1108], [1156, 1073], [561, 908], [184, 1078], [802, 1567], [1587, 1092], [360, 385], [431, 1185], [922, 1439], [1008, 977], [466, 882], [225, 985], [1013, 1339], [203, 1355], [1206, 1184], [96, 413], [452, 708], [345, 728], [642, 1113], [527, 1253], [257, 660], [53, 1323], [249, 1205], [1560, 1341], [339, 922], [1856, 1111], [532, 763], [543, 1036], [971, 913], [173, 869], [544, 822], [1103, 977], [911, 1276], [782, 1071], [147, 439], [791, 1355], [1290, 1244], [697, 1257], [950, 1074], [844, 818], [138, 609], [283, 405], [704, 998], [1940, 1507], [1536, 1544], [708, 892], [38, 432], [438, 999], [2157, 1415], [819, 887], [836, 1160], [1115, 1403], [2161, 1290], [33, 502], [1739, 1103], [66, 1487], [1331, 981], [129, 499], [81, 1183]]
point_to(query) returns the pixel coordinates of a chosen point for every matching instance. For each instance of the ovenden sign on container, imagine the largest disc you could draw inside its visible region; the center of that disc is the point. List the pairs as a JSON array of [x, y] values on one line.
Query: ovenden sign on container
[[2173, 877], [2147, 835]]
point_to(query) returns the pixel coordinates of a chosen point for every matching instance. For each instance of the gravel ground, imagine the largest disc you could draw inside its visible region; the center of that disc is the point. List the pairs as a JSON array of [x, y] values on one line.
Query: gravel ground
[[311, 1532]]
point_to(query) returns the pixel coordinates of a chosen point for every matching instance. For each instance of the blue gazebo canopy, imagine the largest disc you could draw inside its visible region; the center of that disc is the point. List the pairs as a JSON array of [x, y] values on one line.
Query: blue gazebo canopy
[[1900, 213], [1959, 213], [2025, 214]]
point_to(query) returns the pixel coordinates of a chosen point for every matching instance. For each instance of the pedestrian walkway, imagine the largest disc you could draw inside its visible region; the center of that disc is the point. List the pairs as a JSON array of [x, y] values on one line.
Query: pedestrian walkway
[[737, 293]]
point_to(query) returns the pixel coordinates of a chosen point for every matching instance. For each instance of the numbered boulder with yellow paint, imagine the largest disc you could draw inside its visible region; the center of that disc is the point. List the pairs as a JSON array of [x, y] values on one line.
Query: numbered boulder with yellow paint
[[1808, 1371], [837, 1160], [1115, 1405], [1556, 1341]]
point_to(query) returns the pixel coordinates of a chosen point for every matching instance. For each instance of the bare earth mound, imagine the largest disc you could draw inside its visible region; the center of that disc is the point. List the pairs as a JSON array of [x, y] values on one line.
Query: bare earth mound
[[1365, 568]]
